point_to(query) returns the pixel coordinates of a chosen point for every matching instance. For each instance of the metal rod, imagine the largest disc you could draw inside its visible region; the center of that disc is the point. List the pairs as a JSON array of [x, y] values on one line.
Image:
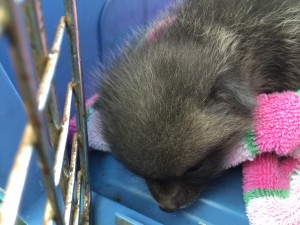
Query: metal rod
[[60, 152], [8, 213], [45, 90], [76, 215], [3, 19], [21, 57], [45, 66], [78, 198], [73, 33], [70, 192], [49, 215], [38, 42], [35, 21], [49, 71]]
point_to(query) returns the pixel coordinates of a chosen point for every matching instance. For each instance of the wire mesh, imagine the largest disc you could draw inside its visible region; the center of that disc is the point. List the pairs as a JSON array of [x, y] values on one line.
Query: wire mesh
[[43, 100]]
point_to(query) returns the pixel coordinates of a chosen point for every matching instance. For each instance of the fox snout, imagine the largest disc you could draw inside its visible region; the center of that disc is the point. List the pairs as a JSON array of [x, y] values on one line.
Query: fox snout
[[172, 195]]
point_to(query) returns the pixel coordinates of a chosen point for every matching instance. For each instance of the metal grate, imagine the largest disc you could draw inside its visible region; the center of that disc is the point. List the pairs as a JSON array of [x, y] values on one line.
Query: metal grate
[[76, 208]]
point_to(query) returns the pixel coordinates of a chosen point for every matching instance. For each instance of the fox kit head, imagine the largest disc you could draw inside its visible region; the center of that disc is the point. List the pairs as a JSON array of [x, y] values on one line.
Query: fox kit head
[[171, 116]]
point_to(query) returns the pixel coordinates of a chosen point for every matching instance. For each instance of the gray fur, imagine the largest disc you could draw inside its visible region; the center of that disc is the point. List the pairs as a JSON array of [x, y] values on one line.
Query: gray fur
[[174, 109]]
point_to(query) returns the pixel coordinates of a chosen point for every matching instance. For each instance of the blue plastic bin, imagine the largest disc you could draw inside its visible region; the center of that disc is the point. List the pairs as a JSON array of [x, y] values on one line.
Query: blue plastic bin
[[118, 195]]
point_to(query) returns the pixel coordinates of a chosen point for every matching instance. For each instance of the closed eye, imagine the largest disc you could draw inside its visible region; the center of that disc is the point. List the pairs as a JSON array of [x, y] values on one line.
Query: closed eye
[[192, 169], [208, 161]]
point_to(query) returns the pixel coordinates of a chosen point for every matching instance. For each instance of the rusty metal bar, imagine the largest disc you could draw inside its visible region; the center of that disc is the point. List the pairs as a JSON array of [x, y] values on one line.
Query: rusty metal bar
[[37, 37], [49, 215], [70, 192], [39, 48], [45, 88], [8, 213], [21, 58], [3, 18], [49, 71], [76, 216], [45, 71], [60, 152], [45, 66], [73, 33]]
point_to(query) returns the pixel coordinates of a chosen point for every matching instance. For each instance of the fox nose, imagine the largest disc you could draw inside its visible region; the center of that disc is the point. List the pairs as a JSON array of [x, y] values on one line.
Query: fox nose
[[168, 208]]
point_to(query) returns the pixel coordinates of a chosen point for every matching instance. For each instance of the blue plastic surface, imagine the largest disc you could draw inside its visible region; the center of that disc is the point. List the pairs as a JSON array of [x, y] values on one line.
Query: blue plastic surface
[[13, 120], [117, 193], [107, 211]]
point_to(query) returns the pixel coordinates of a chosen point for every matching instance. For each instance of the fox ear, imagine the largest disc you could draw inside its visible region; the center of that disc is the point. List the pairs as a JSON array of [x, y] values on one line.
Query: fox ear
[[233, 91]]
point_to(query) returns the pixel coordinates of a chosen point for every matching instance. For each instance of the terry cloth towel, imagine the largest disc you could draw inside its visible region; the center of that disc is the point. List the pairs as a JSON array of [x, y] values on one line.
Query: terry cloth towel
[[269, 152]]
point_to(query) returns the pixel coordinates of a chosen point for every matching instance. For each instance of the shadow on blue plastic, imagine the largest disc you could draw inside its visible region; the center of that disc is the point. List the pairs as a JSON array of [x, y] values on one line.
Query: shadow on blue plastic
[[121, 219], [109, 212]]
